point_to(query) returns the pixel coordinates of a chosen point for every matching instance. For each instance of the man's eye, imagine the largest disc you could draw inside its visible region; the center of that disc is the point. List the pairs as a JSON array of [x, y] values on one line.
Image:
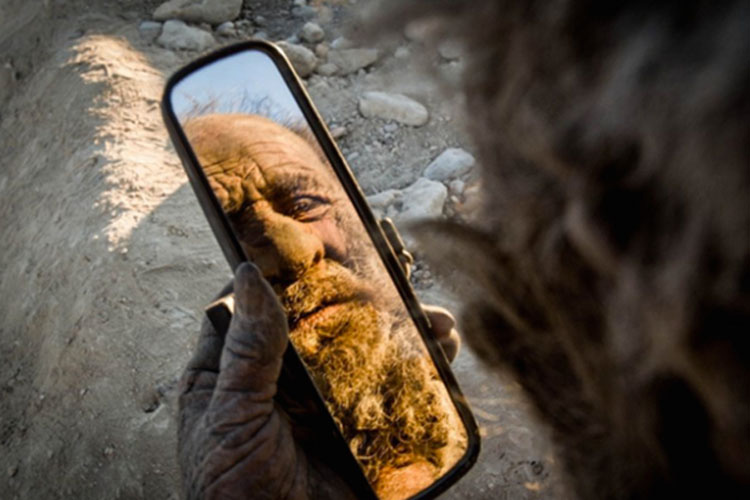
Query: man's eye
[[308, 208]]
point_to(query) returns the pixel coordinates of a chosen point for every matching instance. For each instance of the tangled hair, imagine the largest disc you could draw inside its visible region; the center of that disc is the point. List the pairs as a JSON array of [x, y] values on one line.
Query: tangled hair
[[611, 259]]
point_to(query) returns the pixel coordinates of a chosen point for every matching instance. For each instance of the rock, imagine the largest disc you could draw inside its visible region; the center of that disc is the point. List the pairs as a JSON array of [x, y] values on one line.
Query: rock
[[293, 39], [352, 60], [199, 11], [7, 80], [451, 163], [422, 200], [261, 35], [302, 58], [149, 29], [422, 29], [325, 14], [244, 25], [304, 12], [259, 20], [457, 187], [326, 69], [341, 43], [401, 53], [321, 50], [226, 29], [450, 49], [300, 3], [380, 202], [338, 132], [312, 33], [389, 128], [177, 35], [393, 107]]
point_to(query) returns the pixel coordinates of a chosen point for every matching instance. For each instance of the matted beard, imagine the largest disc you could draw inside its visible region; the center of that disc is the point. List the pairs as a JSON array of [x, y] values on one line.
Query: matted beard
[[381, 389]]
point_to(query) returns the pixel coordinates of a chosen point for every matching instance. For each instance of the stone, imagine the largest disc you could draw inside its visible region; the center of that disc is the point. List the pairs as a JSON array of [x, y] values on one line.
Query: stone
[[451, 163], [302, 58], [389, 128], [177, 35], [338, 132], [304, 12], [261, 35], [380, 202], [352, 60], [341, 43], [199, 11], [312, 33], [424, 199], [401, 53], [149, 30], [450, 49], [321, 50], [226, 29], [326, 69], [395, 107], [300, 3], [422, 30], [7, 80], [457, 187], [325, 14]]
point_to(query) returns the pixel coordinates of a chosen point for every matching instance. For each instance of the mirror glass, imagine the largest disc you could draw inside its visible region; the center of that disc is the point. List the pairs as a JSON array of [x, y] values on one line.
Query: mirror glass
[[346, 318]]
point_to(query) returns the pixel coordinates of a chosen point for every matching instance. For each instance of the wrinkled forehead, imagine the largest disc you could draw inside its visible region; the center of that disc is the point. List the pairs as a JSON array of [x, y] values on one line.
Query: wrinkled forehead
[[241, 154]]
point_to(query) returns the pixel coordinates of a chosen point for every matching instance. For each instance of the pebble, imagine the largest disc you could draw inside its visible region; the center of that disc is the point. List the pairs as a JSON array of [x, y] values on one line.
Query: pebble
[[450, 49], [395, 107], [149, 29], [423, 200], [226, 29], [421, 29], [312, 33], [244, 25], [199, 11], [302, 58], [326, 69], [338, 132], [261, 35], [304, 12], [325, 14], [451, 163], [390, 127], [259, 20], [457, 187], [352, 60], [341, 43], [177, 35], [401, 53], [7, 82], [380, 202], [300, 3], [321, 50]]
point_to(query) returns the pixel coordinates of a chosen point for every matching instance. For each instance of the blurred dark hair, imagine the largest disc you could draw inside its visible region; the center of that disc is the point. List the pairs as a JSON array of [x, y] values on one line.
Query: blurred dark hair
[[611, 260]]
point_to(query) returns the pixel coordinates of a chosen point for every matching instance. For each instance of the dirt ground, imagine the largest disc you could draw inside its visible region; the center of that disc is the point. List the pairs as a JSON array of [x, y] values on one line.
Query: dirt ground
[[107, 260]]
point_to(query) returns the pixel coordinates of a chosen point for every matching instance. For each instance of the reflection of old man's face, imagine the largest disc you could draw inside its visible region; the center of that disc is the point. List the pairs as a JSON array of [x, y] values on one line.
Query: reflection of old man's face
[[296, 223]]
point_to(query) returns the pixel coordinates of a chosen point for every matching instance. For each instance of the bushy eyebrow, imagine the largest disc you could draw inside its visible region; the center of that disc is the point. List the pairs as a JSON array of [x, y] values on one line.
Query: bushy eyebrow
[[301, 179]]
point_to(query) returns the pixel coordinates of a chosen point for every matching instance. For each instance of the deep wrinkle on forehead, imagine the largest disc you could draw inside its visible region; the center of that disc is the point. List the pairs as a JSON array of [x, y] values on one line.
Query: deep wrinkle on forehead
[[256, 158]]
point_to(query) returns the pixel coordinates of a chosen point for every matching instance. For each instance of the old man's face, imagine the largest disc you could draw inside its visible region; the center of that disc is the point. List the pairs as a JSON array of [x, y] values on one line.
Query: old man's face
[[346, 320]]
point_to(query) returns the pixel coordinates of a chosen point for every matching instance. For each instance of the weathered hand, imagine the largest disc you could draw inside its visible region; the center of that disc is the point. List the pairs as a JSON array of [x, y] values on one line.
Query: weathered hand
[[233, 440]]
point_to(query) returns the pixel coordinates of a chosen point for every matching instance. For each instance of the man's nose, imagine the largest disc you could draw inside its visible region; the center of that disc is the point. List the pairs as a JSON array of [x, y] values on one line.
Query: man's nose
[[288, 248]]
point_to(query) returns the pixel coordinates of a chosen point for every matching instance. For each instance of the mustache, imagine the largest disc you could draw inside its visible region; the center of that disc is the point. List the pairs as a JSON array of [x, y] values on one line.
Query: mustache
[[325, 284]]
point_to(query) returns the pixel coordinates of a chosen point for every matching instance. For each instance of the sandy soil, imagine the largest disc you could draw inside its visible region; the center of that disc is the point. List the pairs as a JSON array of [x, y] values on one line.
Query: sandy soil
[[108, 262]]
